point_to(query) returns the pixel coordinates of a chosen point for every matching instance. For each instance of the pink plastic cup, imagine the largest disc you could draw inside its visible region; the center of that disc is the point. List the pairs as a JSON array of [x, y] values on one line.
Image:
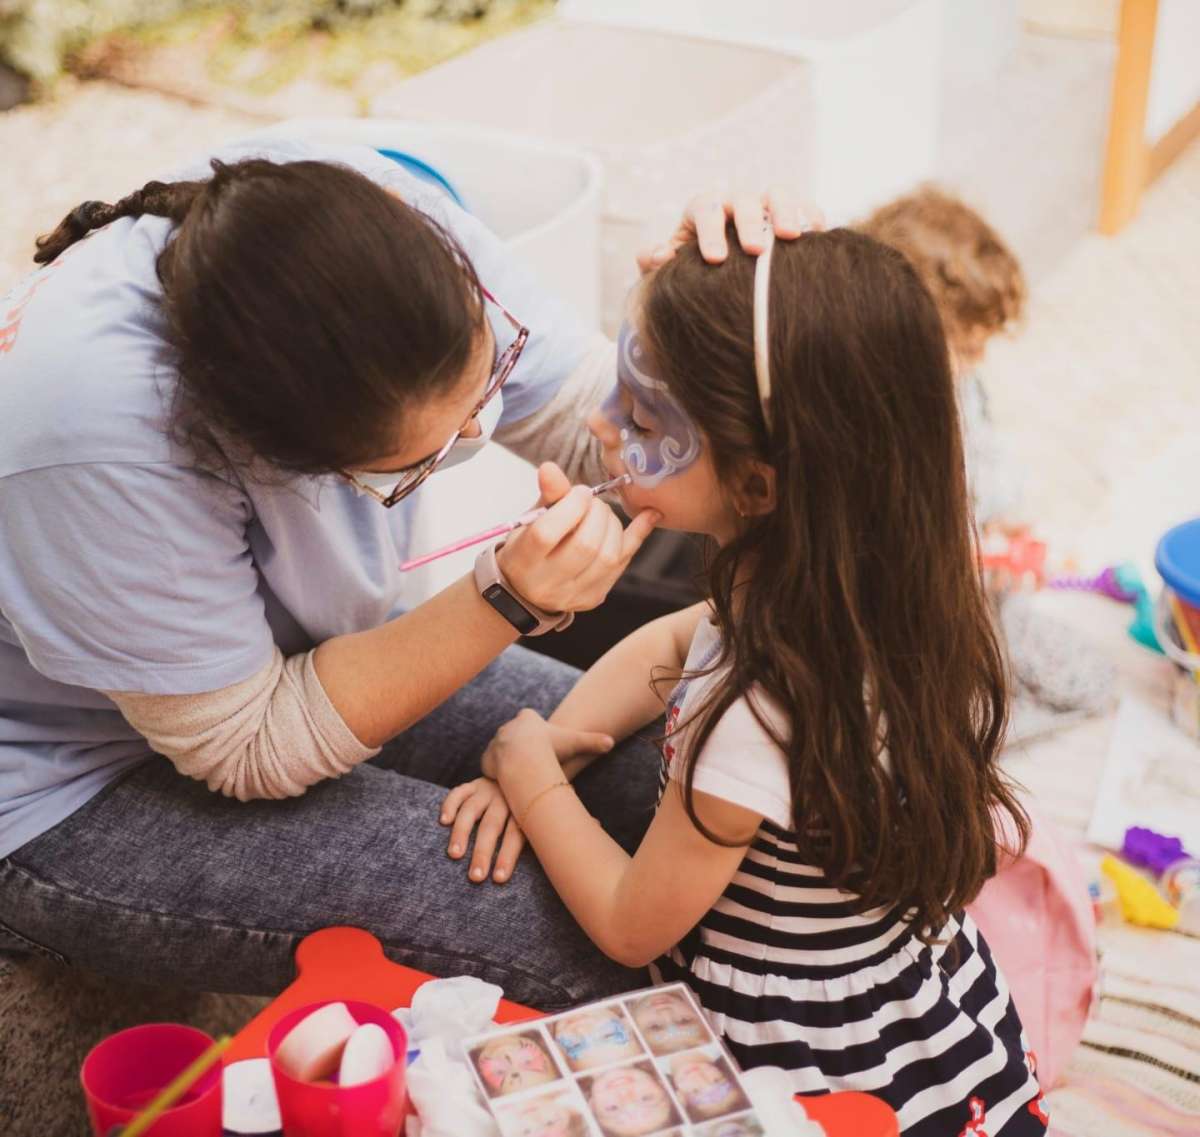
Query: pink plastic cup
[[372, 1109], [123, 1073]]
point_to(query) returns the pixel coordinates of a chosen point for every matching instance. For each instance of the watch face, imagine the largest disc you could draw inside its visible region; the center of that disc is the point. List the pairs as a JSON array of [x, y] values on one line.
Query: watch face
[[504, 603]]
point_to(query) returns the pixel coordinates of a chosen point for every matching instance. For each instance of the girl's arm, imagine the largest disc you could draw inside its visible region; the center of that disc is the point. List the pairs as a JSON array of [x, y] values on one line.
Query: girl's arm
[[633, 908], [614, 698], [616, 695]]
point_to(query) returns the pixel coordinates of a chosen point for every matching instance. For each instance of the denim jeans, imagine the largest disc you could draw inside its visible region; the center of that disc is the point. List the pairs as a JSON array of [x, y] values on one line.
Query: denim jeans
[[161, 880]]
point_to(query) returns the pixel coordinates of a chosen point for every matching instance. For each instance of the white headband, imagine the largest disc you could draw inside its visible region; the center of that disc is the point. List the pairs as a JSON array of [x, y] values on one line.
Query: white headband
[[762, 340]]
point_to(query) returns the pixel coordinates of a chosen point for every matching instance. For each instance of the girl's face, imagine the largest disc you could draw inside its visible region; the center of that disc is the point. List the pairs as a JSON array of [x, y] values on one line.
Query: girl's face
[[644, 432], [628, 1102], [706, 1088], [669, 1024], [595, 1037], [509, 1064]]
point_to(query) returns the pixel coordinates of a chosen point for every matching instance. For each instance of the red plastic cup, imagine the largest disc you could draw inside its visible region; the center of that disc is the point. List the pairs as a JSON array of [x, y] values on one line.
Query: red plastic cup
[[371, 1109], [124, 1072]]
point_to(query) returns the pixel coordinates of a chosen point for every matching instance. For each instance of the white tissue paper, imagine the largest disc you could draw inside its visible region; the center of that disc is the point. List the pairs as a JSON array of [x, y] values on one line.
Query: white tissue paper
[[440, 1083], [770, 1091]]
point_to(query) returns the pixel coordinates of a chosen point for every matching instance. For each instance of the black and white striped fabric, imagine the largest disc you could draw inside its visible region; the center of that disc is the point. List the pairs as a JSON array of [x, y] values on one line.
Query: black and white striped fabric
[[791, 976]]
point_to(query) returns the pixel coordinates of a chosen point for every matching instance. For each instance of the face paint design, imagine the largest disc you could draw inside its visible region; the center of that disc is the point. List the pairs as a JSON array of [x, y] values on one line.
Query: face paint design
[[657, 437], [630, 1102], [707, 1088], [595, 1037], [669, 1023], [511, 1063]]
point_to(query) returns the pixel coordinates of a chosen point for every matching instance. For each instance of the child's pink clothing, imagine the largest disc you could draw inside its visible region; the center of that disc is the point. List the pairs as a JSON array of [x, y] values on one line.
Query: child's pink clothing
[[1037, 916]]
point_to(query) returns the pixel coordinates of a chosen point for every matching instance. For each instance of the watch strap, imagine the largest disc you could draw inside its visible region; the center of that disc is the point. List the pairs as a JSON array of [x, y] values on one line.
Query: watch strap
[[489, 579]]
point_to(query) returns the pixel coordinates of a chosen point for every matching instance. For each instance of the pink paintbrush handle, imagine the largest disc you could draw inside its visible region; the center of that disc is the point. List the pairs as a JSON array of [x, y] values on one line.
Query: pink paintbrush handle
[[499, 530]]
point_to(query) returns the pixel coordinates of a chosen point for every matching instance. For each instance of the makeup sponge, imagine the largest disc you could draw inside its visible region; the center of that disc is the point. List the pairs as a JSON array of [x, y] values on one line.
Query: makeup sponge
[[314, 1045]]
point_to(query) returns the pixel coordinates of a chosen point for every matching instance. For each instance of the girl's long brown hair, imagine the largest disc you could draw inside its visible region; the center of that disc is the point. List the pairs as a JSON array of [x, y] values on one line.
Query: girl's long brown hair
[[855, 605]]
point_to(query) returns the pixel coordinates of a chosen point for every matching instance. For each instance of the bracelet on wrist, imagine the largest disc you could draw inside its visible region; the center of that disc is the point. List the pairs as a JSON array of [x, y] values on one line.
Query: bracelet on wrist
[[538, 797]]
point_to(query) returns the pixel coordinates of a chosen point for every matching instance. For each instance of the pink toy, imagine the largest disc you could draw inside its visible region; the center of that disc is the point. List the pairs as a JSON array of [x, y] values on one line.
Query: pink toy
[[1036, 915]]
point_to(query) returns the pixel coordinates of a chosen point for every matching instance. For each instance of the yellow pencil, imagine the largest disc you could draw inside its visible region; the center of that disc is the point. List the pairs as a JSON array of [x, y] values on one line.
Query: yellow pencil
[[179, 1086]]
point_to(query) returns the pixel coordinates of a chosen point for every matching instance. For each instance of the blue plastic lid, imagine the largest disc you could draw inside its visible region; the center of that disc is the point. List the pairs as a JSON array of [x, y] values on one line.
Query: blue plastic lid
[[1178, 560]]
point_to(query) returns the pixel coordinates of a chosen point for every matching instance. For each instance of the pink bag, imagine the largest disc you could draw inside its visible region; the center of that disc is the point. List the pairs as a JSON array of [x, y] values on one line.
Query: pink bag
[[1037, 918]]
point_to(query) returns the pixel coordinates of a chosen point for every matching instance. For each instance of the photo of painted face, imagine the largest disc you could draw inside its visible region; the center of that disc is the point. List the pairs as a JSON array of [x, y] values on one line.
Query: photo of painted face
[[629, 1101], [512, 1062], [596, 1036], [658, 438], [548, 1115], [670, 1022], [746, 1126], [706, 1085]]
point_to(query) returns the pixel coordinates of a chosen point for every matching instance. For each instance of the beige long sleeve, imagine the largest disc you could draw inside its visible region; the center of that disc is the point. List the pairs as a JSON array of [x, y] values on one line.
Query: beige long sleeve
[[558, 432], [270, 736]]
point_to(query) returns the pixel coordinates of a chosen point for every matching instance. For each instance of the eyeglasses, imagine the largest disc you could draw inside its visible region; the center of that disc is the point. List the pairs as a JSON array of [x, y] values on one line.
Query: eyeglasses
[[410, 477]]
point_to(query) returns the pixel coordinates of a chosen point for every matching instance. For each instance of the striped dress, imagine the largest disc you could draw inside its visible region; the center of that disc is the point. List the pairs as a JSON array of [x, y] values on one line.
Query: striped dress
[[791, 976]]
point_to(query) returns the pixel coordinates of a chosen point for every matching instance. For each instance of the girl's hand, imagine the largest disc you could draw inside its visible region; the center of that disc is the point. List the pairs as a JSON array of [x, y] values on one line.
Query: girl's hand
[[481, 802], [706, 216], [528, 745]]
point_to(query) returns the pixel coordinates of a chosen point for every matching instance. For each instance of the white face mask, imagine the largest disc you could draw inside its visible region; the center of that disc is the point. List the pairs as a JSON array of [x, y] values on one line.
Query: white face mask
[[461, 451]]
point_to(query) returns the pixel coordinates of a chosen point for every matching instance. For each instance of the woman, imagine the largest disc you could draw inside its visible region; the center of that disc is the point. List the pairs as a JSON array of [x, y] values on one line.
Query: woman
[[214, 412]]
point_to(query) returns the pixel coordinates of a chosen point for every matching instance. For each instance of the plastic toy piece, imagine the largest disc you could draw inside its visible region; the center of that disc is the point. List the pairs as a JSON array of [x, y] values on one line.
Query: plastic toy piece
[[1013, 562], [1141, 903], [1151, 850], [1114, 582]]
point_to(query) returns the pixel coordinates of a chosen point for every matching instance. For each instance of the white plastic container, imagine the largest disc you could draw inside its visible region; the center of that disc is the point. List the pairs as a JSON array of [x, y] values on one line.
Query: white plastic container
[[543, 200]]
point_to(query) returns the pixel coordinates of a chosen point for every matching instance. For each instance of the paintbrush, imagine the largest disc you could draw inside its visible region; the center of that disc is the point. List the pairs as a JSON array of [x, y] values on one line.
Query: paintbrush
[[499, 530]]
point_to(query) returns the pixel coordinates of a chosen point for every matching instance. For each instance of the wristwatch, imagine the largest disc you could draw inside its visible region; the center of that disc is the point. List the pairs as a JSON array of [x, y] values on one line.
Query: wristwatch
[[527, 618]]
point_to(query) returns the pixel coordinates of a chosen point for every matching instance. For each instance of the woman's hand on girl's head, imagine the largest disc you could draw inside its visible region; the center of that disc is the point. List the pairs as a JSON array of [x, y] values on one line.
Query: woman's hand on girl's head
[[570, 557], [707, 215], [481, 803]]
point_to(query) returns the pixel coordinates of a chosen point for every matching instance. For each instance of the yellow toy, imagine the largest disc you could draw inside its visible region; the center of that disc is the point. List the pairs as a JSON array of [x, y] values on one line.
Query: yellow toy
[[1141, 903]]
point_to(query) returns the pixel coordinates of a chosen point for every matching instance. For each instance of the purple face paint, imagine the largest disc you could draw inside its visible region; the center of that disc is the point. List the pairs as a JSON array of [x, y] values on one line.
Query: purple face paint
[[657, 437]]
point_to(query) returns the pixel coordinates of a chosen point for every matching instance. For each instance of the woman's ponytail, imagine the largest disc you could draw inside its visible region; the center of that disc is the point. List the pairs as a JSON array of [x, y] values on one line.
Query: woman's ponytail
[[160, 199]]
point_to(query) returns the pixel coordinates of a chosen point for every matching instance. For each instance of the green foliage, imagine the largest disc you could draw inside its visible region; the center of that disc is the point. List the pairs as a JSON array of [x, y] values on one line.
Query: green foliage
[[38, 37]]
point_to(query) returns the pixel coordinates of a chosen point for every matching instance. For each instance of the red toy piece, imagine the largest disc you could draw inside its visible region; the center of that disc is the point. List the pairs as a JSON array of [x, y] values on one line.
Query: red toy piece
[[348, 963]]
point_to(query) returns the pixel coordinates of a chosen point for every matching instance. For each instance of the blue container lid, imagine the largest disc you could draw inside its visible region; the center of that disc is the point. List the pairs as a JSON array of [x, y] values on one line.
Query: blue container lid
[[1178, 560]]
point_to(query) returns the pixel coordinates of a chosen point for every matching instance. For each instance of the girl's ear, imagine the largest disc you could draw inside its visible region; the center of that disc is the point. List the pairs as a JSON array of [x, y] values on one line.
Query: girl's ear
[[755, 492]]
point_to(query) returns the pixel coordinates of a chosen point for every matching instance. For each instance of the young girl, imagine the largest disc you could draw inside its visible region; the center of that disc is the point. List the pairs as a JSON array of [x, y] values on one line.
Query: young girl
[[830, 779]]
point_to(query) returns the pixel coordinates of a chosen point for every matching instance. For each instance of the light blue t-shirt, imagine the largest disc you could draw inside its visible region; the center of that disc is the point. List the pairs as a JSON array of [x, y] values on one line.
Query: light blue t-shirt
[[124, 568]]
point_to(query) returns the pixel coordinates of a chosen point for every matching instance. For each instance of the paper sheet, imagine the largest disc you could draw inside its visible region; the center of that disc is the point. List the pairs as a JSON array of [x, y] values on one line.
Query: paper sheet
[[1151, 778]]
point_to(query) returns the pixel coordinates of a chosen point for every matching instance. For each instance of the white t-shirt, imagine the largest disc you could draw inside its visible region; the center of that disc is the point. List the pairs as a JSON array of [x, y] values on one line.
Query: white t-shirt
[[739, 763]]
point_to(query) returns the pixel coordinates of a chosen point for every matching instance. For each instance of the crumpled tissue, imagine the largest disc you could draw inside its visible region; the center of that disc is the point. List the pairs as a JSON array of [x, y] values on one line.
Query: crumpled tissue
[[440, 1083]]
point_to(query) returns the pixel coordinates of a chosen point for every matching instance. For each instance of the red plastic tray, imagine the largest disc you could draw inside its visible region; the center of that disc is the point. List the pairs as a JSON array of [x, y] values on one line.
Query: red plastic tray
[[348, 963]]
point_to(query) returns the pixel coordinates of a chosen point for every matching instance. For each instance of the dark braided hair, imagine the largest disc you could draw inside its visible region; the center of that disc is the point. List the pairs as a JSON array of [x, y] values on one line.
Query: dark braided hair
[[306, 309], [160, 199]]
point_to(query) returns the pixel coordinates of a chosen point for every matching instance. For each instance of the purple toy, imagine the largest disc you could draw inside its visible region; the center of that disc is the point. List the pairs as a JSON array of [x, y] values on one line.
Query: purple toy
[[1107, 583], [1150, 850]]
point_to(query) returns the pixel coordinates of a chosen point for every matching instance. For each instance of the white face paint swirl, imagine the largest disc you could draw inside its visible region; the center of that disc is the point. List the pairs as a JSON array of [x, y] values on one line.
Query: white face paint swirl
[[657, 437]]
